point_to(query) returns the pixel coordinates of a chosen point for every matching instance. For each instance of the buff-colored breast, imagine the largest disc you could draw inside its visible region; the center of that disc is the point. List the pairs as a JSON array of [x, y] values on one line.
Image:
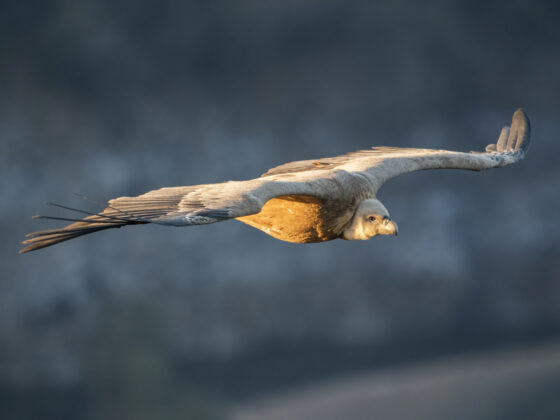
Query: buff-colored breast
[[300, 218]]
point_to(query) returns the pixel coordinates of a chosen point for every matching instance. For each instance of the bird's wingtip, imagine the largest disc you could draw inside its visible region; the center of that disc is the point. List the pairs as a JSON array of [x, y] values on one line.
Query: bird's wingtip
[[520, 132], [515, 137]]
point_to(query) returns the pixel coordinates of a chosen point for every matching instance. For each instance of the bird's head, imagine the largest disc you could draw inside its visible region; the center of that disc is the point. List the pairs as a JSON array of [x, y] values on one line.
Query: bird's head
[[371, 218]]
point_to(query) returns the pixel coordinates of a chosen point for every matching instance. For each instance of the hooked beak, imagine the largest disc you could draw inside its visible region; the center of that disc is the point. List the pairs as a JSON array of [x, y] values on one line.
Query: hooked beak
[[395, 228], [391, 227]]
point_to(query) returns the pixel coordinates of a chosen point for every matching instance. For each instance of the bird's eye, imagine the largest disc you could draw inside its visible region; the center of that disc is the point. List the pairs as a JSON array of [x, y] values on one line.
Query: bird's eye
[[371, 219]]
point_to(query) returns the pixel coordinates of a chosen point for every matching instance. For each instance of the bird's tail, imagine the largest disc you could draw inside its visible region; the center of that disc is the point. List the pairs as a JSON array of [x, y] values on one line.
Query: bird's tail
[[109, 218]]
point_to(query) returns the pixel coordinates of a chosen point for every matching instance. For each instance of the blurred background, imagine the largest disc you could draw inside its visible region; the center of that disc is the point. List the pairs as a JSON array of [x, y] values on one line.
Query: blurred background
[[459, 316]]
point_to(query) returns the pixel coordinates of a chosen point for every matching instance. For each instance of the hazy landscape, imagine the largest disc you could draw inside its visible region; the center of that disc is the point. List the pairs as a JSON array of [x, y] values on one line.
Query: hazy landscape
[[147, 322]]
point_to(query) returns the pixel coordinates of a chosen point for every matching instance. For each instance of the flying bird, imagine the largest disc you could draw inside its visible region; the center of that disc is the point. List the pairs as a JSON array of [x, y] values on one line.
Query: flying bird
[[304, 201]]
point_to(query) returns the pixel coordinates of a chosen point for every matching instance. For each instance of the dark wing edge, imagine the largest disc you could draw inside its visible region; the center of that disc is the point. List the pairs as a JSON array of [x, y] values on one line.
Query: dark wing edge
[[109, 218], [122, 211], [319, 164]]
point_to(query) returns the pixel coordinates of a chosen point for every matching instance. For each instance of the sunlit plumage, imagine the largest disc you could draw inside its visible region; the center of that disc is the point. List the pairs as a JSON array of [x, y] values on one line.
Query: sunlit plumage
[[303, 201]]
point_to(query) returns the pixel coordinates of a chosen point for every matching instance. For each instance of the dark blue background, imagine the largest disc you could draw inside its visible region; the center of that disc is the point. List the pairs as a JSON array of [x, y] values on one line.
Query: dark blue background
[[116, 98]]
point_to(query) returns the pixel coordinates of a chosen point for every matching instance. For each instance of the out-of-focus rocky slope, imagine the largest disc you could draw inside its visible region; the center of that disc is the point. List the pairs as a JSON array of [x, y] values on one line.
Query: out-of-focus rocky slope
[[507, 384]]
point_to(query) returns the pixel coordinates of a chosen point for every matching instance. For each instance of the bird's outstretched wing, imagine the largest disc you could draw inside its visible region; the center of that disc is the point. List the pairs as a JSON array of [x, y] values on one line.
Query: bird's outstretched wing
[[380, 164], [190, 205], [512, 146]]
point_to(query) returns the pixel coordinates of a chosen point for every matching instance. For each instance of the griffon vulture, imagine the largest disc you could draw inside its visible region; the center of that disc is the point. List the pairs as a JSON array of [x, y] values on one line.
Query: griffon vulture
[[304, 201]]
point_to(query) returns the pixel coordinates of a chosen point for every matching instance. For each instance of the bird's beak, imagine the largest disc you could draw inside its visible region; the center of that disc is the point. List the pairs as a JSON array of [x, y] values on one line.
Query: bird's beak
[[392, 228]]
